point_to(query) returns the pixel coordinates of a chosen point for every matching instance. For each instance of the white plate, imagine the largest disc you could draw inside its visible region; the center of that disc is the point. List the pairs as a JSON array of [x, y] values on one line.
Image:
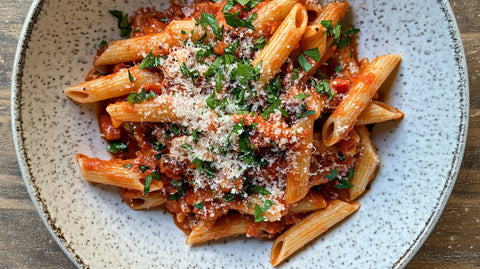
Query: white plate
[[420, 155]]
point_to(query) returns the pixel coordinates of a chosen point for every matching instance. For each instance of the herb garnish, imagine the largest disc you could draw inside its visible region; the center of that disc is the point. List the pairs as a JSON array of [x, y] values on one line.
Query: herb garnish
[[199, 205], [260, 210], [150, 61], [303, 61], [116, 146], [134, 97], [209, 19], [123, 22], [323, 87]]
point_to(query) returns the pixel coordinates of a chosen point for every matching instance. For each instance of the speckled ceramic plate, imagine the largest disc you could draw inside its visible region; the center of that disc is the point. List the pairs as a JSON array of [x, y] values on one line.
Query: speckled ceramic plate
[[420, 155]]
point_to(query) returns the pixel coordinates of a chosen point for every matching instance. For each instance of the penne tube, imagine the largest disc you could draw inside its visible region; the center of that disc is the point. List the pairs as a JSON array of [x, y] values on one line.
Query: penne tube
[[311, 202], [366, 164], [111, 86], [275, 10], [164, 108], [332, 12], [360, 95], [377, 112], [310, 228], [113, 173], [137, 201], [229, 225], [299, 173], [137, 48], [316, 36], [283, 42]]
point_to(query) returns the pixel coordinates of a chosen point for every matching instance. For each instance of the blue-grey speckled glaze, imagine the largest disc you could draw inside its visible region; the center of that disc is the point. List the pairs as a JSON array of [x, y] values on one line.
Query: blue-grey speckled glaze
[[420, 155]]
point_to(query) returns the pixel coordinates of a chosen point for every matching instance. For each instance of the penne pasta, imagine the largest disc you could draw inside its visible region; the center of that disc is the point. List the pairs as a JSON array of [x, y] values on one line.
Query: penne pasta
[[275, 10], [137, 200], [299, 174], [345, 115], [283, 42], [113, 173], [366, 165], [138, 47], [111, 86], [377, 112], [311, 202], [230, 225], [310, 228]]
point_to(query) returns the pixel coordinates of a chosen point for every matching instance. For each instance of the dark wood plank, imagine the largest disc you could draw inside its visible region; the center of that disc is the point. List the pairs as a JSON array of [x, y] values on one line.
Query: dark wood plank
[[26, 243]]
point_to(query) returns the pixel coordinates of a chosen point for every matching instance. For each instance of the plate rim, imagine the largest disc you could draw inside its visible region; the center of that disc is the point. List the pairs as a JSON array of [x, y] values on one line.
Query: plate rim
[[56, 232]]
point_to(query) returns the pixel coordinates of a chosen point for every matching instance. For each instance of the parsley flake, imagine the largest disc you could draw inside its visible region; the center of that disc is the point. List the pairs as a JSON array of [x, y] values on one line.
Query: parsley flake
[[123, 23], [116, 146], [260, 210]]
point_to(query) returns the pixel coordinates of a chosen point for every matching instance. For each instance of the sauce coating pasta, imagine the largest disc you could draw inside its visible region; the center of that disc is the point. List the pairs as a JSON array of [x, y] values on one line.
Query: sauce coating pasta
[[238, 117]]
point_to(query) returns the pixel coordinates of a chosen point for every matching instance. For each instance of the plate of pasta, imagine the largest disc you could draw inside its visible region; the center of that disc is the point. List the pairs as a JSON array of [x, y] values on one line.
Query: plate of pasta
[[240, 133]]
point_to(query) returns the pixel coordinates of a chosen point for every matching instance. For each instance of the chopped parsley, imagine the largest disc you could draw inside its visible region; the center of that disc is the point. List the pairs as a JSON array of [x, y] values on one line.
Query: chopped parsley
[[128, 165], [134, 97], [233, 20], [209, 19], [259, 43], [195, 134], [150, 61], [123, 23], [344, 183], [199, 205], [206, 167], [323, 87], [301, 95], [146, 186], [260, 190], [144, 168], [248, 4], [102, 44], [260, 210], [339, 68], [229, 197], [130, 77], [173, 197], [187, 73], [341, 40], [303, 61], [295, 74], [116, 146], [178, 185]]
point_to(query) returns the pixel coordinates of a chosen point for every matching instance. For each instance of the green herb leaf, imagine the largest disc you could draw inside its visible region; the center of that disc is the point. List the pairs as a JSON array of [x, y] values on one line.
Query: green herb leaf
[[295, 74], [214, 67], [130, 77], [199, 205], [303, 62], [102, 44], [195, 134], [260, 210], [173, 197], [144, 168], [332, 174], [206, 167], [209, 19], [302, 95], [313, 53], [116, 146], [261, 190], [233, 20], [323, 87], [123, 23], [339, 68], [259, 43], [150, 61], [128, 165], [156, 176], [229, 197], [187, 73], [146, 186]]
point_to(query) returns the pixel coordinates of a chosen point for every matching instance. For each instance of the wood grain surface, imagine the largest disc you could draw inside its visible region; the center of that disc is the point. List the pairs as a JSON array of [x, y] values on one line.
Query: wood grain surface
[[26, 243]]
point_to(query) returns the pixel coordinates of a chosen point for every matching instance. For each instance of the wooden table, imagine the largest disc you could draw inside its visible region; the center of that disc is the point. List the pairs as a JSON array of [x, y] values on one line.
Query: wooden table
[[26, 243]]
